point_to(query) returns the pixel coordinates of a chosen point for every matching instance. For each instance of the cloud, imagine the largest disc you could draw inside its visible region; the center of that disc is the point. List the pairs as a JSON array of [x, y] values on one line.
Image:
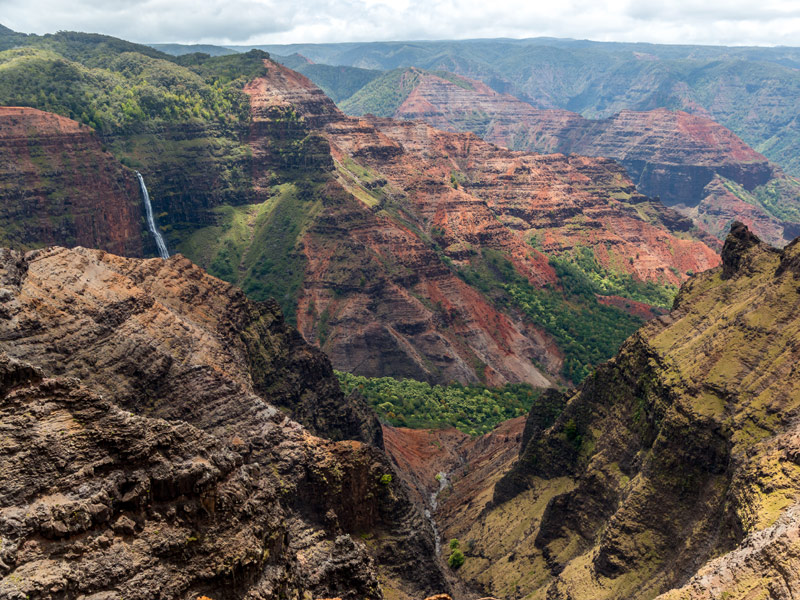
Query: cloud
[[152, 20], [732, 22]]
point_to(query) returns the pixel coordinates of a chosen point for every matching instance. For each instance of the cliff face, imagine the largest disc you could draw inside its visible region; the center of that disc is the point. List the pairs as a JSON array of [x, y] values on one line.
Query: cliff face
[[673, 155], [374, 294], [148, 453], [59, 185], [563, 202], [679, 451], [189, 168], [402, 207]]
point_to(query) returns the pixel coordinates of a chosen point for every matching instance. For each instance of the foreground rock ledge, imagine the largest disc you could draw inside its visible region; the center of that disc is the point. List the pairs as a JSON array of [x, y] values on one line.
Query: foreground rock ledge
[[146, 447]]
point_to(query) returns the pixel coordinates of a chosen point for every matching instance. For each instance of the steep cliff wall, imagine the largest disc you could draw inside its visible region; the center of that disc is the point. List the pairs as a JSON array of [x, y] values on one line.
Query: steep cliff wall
[[149, 449], [58, 184], [680, 451]]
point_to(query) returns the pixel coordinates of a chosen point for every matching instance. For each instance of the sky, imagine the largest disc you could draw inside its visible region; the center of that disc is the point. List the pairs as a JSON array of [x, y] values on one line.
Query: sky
[[726, 22]]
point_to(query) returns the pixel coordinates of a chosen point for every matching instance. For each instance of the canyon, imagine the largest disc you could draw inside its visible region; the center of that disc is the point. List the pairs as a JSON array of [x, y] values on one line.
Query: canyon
[[671, 473], [394, 215], [386, 243], [174, 427], [164, 435], [688, 161]]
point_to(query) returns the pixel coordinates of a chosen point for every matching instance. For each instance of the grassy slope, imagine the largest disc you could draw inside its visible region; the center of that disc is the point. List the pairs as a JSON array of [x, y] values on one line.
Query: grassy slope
[[338, 83], [779, 197], [383, 95], [253, 245]]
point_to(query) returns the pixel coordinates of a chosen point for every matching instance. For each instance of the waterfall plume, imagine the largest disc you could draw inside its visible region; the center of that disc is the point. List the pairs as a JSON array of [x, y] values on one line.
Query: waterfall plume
[[151, 222]]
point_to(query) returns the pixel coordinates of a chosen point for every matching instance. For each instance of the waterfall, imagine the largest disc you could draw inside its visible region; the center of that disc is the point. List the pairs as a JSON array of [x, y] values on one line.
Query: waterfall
[[151, 222]]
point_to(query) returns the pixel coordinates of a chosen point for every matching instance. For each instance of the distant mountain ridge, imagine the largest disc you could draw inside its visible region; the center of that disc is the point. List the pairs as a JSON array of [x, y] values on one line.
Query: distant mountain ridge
[[181, 49], [688, 161], [599, 79]]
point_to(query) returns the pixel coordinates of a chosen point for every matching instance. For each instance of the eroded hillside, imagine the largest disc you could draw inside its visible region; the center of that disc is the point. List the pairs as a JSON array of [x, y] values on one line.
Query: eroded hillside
[[673, 466], [688, 161], [59, 185]]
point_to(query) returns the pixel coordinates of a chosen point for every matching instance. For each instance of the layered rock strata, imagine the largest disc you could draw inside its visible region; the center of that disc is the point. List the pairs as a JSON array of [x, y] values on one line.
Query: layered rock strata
[[408, 203], [58, 184], [681, 158], [148, 448]]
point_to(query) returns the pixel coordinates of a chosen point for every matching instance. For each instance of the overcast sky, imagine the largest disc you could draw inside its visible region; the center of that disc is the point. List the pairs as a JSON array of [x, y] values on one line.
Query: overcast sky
[[729, 22]]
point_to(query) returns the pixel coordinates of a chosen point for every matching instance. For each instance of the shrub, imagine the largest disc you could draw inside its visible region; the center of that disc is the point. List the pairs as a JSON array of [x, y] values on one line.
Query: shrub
[[456, 559], [385, 479]]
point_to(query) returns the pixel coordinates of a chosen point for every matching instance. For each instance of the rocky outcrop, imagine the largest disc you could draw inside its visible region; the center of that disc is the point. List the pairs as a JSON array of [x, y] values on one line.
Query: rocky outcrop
[[58, 184], [678, 452], [147, 449], [675, 156], [763, 564]]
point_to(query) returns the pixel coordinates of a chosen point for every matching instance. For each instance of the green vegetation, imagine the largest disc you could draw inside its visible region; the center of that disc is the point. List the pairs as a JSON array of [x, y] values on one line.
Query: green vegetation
[[383, 95], [454, 79], [338, 83], [253, 245], [586, 331], [581, 268], [473, 409], [385, 479], [780, 197], [112, 92], [456, 558]]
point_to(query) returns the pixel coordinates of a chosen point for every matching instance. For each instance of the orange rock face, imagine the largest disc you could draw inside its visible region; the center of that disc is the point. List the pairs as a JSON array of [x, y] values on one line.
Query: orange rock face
[[565, 202], [58, 185], [670, 154], [379, 295]]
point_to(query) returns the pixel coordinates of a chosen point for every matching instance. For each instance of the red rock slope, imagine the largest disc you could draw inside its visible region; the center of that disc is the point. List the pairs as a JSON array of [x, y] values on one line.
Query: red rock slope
[[407, 199], [58, 185], [670, 154]]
